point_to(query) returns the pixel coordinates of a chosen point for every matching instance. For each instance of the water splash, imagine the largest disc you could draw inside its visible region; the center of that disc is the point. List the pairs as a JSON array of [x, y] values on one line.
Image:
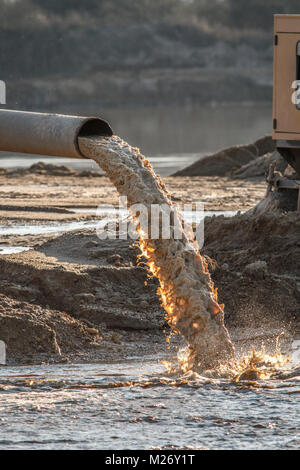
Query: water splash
[[186, 289]]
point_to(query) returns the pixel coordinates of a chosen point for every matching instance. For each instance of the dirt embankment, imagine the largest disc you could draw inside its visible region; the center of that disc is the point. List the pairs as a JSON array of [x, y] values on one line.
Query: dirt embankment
[[234, 161], [77, 297], [48, 169], [71, 295], [257, 268]]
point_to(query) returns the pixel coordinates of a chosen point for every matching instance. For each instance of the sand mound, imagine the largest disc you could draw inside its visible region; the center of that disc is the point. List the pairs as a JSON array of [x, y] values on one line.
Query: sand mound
[[246, 238], [228, 160], [80, 299], [257, 268], [95, 280], [33, 332], [260, 166], [265, 145], [49, 169]]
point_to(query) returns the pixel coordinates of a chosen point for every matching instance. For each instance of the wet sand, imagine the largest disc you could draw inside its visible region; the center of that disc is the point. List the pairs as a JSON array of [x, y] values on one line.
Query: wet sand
[[84, 300], [47, 191]]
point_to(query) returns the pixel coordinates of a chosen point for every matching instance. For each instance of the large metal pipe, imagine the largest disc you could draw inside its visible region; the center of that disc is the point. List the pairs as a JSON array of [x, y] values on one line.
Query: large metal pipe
[[47, 134]]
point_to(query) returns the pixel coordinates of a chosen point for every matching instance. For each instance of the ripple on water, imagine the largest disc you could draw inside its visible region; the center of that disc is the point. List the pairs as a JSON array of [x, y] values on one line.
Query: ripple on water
[[136, 405]]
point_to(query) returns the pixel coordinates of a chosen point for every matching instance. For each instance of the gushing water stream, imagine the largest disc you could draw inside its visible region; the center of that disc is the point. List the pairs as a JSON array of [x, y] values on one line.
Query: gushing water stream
[[186, 289]]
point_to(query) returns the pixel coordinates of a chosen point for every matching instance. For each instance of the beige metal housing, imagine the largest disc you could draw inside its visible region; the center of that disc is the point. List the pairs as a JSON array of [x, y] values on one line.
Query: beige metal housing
[[286, 115]]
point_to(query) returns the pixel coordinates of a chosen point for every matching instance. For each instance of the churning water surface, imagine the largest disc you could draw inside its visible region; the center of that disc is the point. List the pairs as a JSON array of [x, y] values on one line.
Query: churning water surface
[[135, 405]]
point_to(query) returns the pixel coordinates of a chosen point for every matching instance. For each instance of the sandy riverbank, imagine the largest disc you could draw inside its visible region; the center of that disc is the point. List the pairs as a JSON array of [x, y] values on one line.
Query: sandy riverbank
[[53, 191], [76, 298]]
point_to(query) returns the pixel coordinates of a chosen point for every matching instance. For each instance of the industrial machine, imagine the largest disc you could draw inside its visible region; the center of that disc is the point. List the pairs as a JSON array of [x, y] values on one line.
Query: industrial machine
[[286, 99]]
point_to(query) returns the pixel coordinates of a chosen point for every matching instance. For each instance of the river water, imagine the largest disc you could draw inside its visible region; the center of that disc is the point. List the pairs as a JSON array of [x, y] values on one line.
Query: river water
[[106, 213], [134, 405]]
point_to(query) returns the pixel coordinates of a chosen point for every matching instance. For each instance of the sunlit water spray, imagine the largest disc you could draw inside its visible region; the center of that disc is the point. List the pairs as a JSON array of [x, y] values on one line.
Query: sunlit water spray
[[186, 289]]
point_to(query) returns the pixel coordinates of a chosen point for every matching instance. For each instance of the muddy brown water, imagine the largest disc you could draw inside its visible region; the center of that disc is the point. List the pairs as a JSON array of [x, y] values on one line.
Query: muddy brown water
[[134, 405], [186, 289]]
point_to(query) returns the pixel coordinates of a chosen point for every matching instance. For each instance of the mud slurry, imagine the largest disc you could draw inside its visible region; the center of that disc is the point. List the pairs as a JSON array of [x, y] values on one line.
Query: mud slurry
[[186, 289]]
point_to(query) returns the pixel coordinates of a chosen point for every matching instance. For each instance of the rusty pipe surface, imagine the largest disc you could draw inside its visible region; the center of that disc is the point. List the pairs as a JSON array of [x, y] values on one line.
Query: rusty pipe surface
[[47, 134]]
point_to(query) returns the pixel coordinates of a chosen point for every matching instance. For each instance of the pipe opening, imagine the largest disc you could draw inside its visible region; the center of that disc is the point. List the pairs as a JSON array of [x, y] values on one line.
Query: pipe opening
[[95, 126]]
